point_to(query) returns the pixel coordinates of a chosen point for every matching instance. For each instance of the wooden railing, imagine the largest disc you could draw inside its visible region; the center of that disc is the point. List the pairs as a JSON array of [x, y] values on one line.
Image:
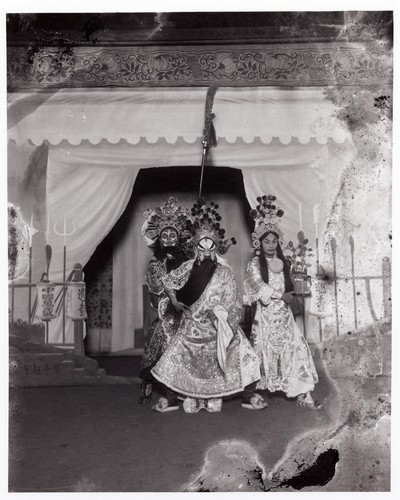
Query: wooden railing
[[75, 276]]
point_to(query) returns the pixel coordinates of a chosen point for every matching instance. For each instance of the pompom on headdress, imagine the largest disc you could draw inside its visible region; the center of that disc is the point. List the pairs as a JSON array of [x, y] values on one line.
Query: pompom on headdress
[[206, 224], [266, 216], [170, 214]]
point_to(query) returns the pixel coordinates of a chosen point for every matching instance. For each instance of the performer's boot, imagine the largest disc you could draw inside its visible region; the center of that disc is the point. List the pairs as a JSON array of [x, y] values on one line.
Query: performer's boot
[[147, 391], [307, 401], [168, 403], [191, 405], [251, 399], [213, 405]]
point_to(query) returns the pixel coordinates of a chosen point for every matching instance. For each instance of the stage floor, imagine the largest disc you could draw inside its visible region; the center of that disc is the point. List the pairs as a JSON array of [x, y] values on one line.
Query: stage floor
[[70, 439]]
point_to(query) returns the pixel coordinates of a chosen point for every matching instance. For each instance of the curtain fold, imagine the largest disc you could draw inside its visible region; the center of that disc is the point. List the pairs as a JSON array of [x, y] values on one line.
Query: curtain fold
[[90, 186], [86, 193], [99, 140]]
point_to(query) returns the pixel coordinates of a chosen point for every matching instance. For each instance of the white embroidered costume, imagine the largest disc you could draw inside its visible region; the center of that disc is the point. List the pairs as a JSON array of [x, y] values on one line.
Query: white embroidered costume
[[286, 363], [208, 357]]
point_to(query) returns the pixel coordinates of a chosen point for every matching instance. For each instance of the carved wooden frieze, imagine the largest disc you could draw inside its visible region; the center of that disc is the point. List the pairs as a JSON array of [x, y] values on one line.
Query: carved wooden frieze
[[289, 65]]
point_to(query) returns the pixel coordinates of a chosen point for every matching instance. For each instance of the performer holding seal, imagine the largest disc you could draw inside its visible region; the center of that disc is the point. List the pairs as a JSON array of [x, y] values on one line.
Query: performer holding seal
[[286, 363]]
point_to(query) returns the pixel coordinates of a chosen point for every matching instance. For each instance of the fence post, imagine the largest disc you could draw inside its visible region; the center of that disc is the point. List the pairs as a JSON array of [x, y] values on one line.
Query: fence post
[[351, 241], [387, 288], [78, 323], [334, 248]]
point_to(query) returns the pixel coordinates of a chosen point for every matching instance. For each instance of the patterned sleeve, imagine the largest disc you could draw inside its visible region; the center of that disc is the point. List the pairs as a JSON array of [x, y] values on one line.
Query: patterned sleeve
[[154, 275], [230, 297], [254, 286], [178, 277]]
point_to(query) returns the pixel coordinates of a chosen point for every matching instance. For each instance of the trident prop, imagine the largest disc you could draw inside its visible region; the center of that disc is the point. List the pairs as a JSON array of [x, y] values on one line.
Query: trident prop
[[64, 234]]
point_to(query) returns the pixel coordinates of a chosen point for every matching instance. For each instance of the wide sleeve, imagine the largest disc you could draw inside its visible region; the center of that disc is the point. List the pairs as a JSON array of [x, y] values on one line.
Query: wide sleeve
[[154, 275], [229, 297], [177, 278], [254, 286]]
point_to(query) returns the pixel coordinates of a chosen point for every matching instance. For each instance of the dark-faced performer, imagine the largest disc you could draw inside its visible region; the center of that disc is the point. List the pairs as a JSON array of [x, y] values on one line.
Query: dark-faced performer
[[164, 231]]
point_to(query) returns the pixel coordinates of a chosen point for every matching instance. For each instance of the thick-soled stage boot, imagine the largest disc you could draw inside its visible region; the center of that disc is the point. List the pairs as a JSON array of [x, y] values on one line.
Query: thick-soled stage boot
[[251, 399], [214, 405], [168, 403], [307, 401], [147, 391]]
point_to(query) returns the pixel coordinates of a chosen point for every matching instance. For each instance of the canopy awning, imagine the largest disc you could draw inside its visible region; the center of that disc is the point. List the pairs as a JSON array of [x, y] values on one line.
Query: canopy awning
[[172, 114]]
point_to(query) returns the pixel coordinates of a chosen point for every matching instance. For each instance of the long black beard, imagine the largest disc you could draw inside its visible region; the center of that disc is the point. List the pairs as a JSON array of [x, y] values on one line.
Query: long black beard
[[199, 278], [178, 257], [163, 251]]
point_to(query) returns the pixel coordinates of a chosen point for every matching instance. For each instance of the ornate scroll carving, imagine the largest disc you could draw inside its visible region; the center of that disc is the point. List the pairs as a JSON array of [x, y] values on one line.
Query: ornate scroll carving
[[289, 65]]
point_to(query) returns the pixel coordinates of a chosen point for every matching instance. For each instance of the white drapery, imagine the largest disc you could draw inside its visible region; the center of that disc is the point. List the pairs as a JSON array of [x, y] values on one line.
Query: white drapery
[[91, 185], [99, 140], [86, 195], [94, 115]]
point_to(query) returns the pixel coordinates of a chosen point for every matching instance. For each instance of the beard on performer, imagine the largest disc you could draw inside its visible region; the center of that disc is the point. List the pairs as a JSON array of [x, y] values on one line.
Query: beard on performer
[[172, 256], [168, 252], [200, 276], [162, 253]]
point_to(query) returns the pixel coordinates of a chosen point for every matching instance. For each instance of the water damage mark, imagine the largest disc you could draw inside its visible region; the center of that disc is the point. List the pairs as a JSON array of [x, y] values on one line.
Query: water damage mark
[[18, 244], [364, 183], [318, 474], [235, 466], [51, 54], [361, 108], [229, 466], [366, 25]]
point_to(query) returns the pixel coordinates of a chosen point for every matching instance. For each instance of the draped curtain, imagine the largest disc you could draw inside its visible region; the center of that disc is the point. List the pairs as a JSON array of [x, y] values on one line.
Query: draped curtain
[[89, 186], [99, 139], [86, 195]]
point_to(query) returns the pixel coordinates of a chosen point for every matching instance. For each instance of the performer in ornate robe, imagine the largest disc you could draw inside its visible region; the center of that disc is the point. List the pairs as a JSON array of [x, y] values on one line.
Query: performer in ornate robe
[[164, 230], [285, 359], [209, 356]]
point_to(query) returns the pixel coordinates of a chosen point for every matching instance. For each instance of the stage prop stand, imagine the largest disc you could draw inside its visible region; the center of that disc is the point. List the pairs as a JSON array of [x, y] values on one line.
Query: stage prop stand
[[29, 289], [78, 323], [45, 302]]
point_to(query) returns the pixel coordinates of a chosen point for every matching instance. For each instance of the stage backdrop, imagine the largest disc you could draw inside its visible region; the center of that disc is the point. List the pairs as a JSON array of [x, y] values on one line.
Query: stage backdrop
[[286, 142]]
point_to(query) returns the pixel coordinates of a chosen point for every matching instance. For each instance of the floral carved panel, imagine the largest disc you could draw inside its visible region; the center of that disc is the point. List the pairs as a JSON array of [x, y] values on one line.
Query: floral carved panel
[[290, 65]]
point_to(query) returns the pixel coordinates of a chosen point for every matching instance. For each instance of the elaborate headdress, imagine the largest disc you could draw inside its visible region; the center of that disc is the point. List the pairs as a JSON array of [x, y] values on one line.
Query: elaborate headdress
[[167, 215], [206, 224], [266, 216]]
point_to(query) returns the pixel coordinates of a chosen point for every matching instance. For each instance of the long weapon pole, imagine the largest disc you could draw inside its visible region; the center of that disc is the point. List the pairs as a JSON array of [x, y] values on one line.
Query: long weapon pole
[[207, 139], [203, 164]]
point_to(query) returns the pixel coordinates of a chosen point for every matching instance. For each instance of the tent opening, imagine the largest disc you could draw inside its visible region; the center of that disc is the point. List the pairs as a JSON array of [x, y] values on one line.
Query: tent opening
[[115, 273]]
